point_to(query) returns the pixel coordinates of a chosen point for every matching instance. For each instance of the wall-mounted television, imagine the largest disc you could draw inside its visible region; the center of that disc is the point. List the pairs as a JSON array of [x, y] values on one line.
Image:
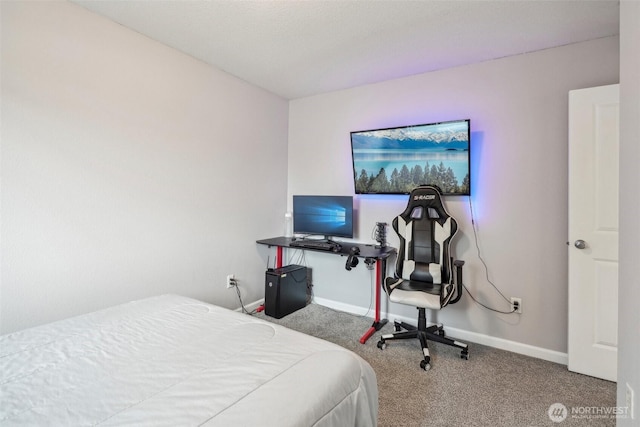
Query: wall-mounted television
[[396, 160], [329, 216]]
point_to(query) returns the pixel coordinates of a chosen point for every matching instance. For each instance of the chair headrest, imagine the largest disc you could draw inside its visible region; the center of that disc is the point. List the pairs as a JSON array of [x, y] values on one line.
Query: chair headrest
[[425, 202]]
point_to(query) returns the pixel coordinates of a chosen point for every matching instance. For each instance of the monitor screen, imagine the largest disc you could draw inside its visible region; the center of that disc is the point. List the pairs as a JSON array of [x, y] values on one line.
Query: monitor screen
[[396, 160], [323, 215]]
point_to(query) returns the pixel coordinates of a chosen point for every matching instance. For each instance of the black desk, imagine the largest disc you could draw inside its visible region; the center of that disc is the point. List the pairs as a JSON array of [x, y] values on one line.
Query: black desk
[[370, 253]]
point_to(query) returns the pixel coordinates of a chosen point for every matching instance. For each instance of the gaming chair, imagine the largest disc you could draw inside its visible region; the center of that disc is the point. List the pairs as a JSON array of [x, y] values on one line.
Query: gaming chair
[[424, 275]]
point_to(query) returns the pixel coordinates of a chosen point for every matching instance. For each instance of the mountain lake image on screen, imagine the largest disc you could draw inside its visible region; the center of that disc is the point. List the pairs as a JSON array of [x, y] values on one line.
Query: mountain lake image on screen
[[396, 160]]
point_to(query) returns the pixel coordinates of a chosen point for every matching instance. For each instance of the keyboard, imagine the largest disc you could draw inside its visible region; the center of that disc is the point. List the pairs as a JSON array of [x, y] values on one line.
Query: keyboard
[[311, 244]]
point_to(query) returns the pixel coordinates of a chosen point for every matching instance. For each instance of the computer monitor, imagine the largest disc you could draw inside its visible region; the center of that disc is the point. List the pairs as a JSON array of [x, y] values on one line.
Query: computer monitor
[[329, 216]]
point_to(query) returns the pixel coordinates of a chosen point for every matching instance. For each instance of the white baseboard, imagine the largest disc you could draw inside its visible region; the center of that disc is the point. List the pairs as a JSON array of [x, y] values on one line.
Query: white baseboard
[[461, 334], [348, 308]]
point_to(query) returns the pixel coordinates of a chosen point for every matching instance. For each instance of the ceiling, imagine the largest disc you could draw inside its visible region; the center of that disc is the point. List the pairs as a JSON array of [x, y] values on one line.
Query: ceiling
[[306, 47]]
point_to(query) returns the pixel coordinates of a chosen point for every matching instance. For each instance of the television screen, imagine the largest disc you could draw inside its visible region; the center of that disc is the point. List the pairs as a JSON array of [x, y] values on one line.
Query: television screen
[[323, 215], [396, 160]]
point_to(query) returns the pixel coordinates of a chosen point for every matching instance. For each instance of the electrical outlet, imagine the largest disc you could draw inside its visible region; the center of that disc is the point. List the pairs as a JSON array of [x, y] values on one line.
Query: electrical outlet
[[630, 402], [516, 305], [231, 281]]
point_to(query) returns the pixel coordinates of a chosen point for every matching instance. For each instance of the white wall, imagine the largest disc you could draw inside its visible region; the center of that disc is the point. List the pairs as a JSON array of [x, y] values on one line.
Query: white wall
[[128, 169], [629, 293], [518, 110]]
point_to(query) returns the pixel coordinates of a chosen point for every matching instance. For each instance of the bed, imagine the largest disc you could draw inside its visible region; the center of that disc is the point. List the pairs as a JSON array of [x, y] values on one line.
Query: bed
[[175, 361]]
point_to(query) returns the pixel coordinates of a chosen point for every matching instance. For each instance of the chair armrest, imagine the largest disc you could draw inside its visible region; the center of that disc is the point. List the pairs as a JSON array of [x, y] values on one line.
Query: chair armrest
[[458, 280]]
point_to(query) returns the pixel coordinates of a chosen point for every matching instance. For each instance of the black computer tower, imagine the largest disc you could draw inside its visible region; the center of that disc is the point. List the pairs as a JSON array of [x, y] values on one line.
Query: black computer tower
[[285, 290]]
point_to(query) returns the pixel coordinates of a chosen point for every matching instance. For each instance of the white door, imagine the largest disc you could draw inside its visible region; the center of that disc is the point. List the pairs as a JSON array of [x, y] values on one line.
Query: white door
[[593, 231]]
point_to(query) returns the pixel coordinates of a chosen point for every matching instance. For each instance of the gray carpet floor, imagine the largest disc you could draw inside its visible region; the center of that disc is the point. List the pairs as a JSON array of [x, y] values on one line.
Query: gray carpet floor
[[492, 388]]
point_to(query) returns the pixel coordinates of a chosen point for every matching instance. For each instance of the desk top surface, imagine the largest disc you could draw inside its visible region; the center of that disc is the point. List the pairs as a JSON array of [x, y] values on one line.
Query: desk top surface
[[366, 250]]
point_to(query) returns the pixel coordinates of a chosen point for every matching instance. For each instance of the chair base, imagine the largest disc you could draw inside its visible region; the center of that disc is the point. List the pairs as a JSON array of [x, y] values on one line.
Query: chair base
[[423, 333]]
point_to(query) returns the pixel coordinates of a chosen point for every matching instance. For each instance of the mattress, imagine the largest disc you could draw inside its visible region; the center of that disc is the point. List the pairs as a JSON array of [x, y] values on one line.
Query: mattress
[[176, 361]]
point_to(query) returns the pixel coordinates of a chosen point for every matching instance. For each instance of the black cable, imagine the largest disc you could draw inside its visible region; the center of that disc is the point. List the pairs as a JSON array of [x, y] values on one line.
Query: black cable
[[301, 257], [309, 292], [244, 310], [486, 269], [372, 284], [487, 307]]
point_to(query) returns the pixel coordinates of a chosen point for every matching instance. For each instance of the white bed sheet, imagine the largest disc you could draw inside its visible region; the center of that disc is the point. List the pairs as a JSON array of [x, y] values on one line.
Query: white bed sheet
[[175, 361]]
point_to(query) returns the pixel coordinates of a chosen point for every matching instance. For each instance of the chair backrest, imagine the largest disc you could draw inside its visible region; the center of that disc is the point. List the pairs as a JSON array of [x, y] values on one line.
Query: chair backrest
[[425, 229]]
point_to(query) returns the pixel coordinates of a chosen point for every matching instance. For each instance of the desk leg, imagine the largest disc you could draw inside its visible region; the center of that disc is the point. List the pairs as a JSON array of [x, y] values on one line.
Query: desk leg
[[377, 323], [278, 256]]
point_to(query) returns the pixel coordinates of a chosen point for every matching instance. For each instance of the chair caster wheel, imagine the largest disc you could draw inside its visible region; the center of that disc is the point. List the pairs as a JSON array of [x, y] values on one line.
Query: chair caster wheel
[[425, 365], [381, 344], [464, 356]]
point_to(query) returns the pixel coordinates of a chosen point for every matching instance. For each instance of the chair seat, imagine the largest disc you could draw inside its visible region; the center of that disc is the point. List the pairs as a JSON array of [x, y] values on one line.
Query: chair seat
[[411, 292]]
